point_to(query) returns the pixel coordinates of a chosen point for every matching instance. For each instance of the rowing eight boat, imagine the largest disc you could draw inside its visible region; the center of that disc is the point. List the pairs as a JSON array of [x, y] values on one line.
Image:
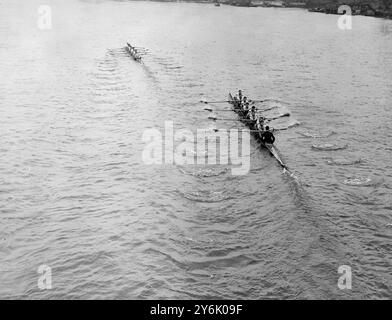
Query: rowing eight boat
[[133, 53], [257, 133]]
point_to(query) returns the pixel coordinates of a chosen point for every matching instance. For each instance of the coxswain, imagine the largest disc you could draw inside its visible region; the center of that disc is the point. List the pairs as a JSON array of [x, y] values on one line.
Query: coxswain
[[267, 136]]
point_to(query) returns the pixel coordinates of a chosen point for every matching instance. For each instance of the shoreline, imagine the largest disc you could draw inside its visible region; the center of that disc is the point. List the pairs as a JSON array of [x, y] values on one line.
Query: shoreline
[[365, 11], [357, 10]]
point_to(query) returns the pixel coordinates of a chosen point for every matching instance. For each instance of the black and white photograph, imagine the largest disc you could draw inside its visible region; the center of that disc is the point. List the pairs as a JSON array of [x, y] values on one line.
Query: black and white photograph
[[204, 150]]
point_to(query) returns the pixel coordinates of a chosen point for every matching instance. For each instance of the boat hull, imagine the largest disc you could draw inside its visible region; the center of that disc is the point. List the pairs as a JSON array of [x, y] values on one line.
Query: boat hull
[[257, 135], [138, 59]]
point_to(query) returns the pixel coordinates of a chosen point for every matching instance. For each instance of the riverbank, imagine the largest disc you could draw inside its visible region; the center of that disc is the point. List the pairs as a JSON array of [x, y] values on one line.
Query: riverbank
[[360, 9], [364, 8]]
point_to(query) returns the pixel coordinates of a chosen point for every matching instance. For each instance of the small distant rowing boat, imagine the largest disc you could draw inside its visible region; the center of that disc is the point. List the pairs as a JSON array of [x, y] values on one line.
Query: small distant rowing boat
[[257, 133], [133, 53]]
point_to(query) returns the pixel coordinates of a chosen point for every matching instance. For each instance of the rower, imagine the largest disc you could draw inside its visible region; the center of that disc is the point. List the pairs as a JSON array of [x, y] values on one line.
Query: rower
[[260, 123], [267, 136], [240, 95], [245, 100], [252, 114], [235, 100], [245, 110], [243, 103], [236, 103]]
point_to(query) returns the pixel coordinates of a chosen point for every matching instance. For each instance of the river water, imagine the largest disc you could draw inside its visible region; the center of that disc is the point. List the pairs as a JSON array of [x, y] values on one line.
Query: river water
[[76, 196]]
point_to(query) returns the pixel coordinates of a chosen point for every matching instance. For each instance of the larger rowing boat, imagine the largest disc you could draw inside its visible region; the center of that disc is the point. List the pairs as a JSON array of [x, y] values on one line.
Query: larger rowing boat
[[257, 133]]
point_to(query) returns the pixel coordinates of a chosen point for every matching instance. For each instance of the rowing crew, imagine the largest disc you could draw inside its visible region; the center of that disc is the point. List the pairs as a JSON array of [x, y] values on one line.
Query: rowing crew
[[258, 123], [133, 51]]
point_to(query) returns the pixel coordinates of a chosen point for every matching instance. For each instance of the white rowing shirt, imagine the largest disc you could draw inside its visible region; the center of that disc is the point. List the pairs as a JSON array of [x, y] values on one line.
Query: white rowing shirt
[[260, 125], [252, 115]]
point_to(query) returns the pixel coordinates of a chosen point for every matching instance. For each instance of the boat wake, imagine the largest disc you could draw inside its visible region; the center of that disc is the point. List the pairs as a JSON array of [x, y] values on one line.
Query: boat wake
[[361, 181], [290, 125], [343, 162], [207, 196], [316, 135], [291, 175], [329, 147], [205, 172]]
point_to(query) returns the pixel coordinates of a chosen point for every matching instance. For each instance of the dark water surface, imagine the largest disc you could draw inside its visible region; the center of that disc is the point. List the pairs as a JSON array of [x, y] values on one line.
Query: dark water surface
[[75, 194]]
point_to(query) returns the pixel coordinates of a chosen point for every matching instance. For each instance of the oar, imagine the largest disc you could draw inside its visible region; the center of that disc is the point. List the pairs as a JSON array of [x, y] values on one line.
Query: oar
[[287, 114], [215, 118], [225, 101], [137, 49], [136, 46], [216, 130], [211, 110], [230, 110], [269, 119]]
